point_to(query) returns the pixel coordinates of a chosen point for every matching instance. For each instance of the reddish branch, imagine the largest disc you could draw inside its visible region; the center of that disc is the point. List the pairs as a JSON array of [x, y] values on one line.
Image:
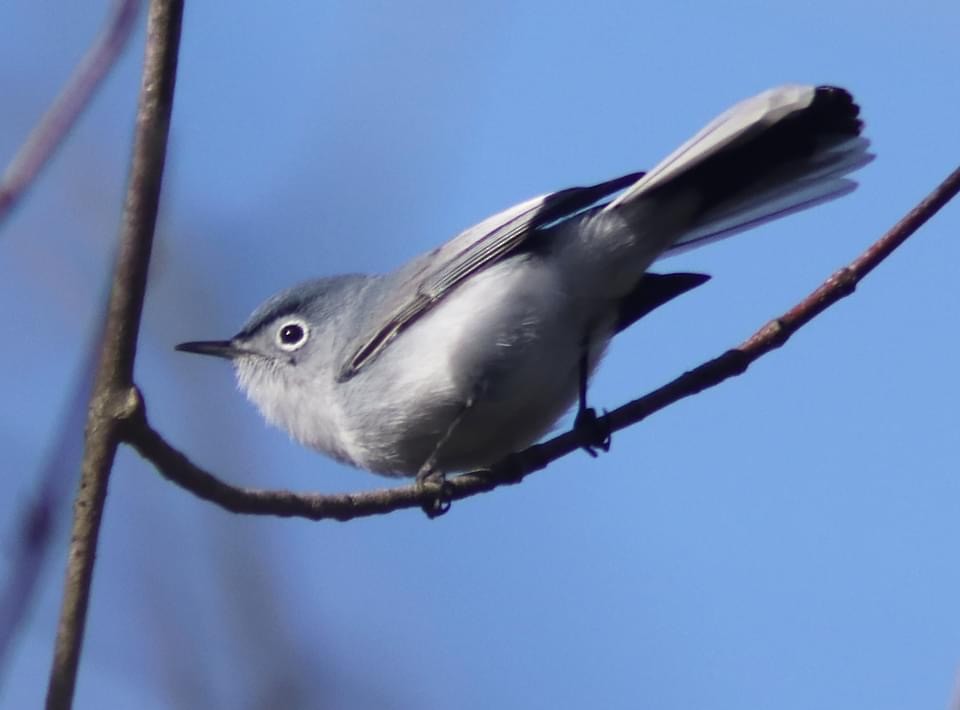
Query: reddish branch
[[179, 469]]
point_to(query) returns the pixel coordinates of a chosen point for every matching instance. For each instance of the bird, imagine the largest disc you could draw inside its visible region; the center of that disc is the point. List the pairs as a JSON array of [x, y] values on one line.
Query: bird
[[476, 349]]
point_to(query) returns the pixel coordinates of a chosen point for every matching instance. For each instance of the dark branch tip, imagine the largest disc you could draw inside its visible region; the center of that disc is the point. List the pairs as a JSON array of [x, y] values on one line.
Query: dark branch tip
[[735, 361]]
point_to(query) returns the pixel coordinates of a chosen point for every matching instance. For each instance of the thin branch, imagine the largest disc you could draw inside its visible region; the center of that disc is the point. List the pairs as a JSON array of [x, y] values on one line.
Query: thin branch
[[113, 399], [53, 127], [177, 468]]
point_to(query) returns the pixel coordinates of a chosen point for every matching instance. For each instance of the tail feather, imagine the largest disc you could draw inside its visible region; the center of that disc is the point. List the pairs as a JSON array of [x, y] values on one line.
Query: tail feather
[[766, 212], [780, 152]]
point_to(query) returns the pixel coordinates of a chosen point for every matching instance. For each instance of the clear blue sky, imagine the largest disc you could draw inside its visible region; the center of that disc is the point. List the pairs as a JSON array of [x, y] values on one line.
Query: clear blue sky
[[786, 540]]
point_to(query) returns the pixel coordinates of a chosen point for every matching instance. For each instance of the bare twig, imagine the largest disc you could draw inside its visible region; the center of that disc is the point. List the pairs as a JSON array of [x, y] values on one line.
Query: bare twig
[[114, 400], [179, 469], [53, 127]]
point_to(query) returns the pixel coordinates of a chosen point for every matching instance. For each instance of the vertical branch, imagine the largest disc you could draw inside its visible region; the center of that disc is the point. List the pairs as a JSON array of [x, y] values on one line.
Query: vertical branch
[[114, 397], [49, 133]]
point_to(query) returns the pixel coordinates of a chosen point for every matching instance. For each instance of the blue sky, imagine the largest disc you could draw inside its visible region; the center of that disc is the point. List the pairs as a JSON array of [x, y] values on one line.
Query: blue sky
[[785, 540]]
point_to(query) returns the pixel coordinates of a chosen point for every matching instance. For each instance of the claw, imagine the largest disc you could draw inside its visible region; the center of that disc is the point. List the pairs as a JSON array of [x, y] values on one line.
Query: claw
[[595, 430], [440, 501]]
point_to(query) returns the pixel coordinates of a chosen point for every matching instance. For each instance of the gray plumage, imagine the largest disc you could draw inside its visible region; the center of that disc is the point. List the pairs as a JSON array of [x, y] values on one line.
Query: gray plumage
[[474, 350]]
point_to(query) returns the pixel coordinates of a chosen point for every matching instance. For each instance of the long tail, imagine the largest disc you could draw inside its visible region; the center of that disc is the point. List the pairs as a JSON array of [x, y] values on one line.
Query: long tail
[[779, 152]]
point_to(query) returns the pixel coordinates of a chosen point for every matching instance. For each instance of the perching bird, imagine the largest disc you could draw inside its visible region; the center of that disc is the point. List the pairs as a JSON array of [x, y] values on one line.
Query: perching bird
[[476, 349]]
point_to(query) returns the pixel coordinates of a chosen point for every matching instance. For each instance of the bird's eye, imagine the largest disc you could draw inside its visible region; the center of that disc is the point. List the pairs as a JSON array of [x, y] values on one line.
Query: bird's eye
[[292, 335]]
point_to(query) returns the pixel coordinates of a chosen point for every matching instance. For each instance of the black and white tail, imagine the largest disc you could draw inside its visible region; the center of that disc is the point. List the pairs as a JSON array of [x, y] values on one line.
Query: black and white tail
[[782, 151]]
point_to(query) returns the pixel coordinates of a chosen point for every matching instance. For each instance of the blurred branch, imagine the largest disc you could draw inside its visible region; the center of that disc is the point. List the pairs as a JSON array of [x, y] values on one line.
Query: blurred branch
[[53, 127], [180, 470], [39, 518], [113, 399]]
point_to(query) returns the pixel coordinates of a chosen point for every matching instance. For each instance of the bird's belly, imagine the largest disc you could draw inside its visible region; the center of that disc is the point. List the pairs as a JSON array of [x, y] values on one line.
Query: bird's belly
[[486, 373], [495, 426]]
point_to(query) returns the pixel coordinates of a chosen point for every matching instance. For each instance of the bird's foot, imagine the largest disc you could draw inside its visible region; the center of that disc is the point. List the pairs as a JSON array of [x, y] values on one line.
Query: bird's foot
[[435, 490], [594, 430]]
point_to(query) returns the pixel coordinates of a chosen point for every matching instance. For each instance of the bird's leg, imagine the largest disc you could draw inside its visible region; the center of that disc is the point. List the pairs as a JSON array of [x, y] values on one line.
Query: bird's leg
[[428, 475], [595, 432]]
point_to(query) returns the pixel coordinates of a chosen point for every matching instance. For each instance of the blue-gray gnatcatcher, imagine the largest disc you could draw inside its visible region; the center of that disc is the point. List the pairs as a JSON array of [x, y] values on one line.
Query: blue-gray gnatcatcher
[[474, 350]]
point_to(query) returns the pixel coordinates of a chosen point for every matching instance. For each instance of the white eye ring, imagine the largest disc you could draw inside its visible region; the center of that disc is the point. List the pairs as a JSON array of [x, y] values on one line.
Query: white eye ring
[[292, 334]]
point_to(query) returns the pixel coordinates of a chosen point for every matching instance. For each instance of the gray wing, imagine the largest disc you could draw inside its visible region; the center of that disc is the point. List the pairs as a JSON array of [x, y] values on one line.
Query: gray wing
[[434, 276]]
